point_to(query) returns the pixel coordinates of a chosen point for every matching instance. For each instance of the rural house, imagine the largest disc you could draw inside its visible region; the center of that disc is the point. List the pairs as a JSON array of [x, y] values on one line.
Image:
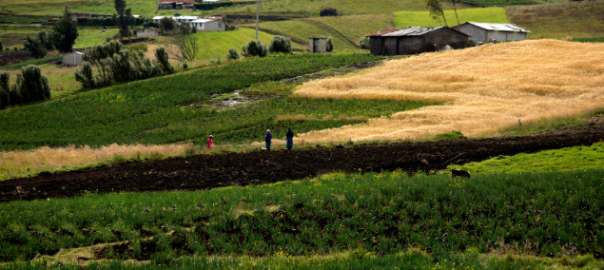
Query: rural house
[[148, 32], [176, 4], [483, 32], [412, 40], [178, 20], [208, 25]]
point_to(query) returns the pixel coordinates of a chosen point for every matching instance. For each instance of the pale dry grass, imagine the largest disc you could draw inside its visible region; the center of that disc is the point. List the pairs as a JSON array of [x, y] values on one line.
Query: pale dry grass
[[22, 163], [303, 118], [486, 89]]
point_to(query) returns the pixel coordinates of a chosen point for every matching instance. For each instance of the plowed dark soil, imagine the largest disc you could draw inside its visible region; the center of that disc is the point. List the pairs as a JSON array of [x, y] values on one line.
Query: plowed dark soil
[[206, 172]]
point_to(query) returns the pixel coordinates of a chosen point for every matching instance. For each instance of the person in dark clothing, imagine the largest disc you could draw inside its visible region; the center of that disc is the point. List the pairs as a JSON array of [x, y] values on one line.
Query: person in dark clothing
[[267, 138], [290, 139]]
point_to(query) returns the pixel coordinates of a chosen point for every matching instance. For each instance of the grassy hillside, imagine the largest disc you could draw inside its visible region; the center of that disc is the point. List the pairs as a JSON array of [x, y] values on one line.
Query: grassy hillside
[[345, 30], [422, 18], [14, 36], [301, 8], [572, 19], [567, 159], [213, 43]]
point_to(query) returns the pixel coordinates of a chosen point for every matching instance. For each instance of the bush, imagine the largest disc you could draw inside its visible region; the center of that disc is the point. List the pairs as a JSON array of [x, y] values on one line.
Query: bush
[[453, 135], [329, 46], [185, 65], [161, 54], [84, 75], [167, 24], [46, 39], [35, 48], [108, 22], [1, 46], [102, 51], [151, 24], [65, 33], [33, 83], [209, 6], [232, 55], [471, 43], [364, 43], [280, 44], [328, 11], [4, 90], [255, 48]]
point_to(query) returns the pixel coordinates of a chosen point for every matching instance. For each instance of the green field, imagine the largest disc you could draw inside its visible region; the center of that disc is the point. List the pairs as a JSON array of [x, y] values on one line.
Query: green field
[[14, 36], [345, 30], [372, 214], [178, 107], [572, 19], [213, 43], [422, 18], [567, 159]]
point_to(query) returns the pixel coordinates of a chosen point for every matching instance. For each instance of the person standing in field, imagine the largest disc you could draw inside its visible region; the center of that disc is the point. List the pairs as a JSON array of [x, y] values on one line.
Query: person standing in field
[[267, 139], [290, 139], [210, 142]]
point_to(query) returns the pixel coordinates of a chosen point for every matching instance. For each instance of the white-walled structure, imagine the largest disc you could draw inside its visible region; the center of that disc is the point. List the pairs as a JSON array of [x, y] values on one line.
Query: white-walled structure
[[208, 25], [72, 59], [148, 32]]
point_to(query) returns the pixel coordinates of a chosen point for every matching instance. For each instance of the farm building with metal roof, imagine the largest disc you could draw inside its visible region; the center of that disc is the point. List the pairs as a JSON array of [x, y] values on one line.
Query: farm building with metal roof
[[413, 40], [499, 32]]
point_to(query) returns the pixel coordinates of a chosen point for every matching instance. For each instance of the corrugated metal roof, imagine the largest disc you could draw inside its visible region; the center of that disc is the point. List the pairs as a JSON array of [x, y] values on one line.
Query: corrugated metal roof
[[383, 32], [412, 31], [500, 27], [202, 20]]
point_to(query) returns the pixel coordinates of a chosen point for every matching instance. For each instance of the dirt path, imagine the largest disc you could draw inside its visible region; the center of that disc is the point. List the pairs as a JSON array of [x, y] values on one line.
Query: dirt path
[[206, 172]]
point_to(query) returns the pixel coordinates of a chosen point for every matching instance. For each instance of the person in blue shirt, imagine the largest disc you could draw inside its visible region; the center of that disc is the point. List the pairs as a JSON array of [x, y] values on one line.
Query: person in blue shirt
[[290, 139], [267, 139]]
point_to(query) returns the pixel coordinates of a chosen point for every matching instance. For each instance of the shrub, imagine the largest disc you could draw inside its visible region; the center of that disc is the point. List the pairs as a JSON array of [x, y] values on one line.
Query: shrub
[[151, 24], [46, 40], [471, 43], [328, 11], [185, 65], [35, 48], [1, 46], [364, 43], [167, 24], [161, 54], [453, 135], [329, 47], [255, 48], [102, 51], [108, 22], [84, 75], [280, 44], [4, 90], [34, 83], [232, 55], [65, 34]]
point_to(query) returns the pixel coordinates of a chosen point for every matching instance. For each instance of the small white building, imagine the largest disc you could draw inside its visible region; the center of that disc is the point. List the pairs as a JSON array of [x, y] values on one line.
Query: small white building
[[72, 59], [178, 20], [500, 32], [317, 45], [208, 25], [148, 32]]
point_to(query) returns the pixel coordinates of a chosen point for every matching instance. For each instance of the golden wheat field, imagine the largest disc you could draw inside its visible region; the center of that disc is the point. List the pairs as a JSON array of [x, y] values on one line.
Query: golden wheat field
[[485, 89], [22, 163]]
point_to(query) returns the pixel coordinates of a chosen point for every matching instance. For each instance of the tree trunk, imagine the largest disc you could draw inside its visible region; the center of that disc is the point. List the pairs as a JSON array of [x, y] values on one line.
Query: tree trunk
[[455, 7]]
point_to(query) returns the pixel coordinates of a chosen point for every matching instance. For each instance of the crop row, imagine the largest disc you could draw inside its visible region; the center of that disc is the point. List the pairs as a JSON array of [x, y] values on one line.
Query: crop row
[[537, 213], [129, 113], [20, 19]]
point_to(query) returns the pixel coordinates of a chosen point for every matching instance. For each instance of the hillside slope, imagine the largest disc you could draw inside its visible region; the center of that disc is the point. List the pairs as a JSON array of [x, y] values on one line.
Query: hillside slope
[[573, 19], [422, 18]]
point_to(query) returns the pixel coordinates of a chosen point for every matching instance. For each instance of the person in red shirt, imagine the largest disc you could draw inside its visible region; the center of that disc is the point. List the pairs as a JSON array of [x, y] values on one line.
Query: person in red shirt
[[210, 142]]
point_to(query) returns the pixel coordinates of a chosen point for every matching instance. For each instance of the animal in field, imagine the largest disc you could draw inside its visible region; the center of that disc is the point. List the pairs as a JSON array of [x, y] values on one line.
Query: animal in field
[[460, 173]]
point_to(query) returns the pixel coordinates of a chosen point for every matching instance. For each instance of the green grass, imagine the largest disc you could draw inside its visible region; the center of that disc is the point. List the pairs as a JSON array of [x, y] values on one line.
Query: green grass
[[213, 43], [21, 19], [566, 159], [177, 108], [89, 36], [422, 18], [380, 213], [31, 62], [345, 30], [571, 19], [596, 39]]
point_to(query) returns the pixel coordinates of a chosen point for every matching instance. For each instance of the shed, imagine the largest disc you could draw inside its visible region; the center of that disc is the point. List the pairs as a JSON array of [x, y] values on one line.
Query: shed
[[483, 32], [208, 25], [72, 59], [148, 32], [176, 4], [317, 45], [413, 40]]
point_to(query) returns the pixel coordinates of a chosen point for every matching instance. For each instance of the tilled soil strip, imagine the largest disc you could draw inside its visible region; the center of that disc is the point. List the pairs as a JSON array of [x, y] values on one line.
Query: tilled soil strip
[[210, 171]]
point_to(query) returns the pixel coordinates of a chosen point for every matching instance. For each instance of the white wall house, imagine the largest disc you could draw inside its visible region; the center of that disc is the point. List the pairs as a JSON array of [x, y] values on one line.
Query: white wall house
[[208, 25], [148, 32], [178, 20], [501, 32]]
